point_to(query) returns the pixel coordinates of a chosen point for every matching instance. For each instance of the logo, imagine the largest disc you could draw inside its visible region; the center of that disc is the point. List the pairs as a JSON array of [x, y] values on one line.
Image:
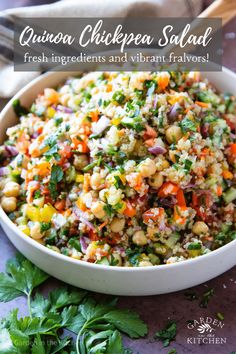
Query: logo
[[205, 330]]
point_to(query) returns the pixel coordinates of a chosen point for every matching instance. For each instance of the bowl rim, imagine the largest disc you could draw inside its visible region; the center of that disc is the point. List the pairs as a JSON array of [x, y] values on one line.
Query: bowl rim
[[4, 219]]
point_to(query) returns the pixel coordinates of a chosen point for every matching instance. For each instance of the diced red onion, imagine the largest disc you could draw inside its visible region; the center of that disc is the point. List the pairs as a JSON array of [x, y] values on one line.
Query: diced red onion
[[157, 150], [84, 241], [205, 130], [162, 225], [174, 111], [99, 126], [34, 135], [63, 109], [11, 150], [168, 202], [190, 185], [155, 101], [4, 171], [83, 218]]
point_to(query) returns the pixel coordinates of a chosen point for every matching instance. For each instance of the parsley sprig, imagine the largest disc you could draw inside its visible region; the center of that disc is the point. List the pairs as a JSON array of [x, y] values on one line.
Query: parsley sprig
[[97, 324]]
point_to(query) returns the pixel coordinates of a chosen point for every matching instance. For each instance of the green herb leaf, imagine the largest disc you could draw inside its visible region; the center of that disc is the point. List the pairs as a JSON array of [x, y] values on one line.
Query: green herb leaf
[[127, 322], [115, 343], [38, 346], [6, 345], [167, 334], [62, 297], [206, 298], [22, 278], [56, 177], [19, 109]]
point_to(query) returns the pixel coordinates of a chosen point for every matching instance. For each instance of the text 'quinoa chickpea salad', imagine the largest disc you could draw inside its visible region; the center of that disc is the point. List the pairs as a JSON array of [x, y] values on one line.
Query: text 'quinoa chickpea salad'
[[124, 168]]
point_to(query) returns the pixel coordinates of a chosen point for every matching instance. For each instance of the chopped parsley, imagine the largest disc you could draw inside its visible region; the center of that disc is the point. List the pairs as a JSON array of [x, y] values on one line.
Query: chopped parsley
[[188, 125], [206, 298], [119, 97], [44, 226], [167, 334], [56, 177]]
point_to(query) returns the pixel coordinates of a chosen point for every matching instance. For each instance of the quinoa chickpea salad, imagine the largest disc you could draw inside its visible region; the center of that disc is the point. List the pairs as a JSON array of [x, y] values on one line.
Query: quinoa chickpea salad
[[124, 168]]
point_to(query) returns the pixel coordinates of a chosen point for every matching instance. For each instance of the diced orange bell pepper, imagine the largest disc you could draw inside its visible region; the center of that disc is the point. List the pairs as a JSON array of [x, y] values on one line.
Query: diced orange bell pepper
[[129, 211], [168, 188], [227, 174], [94, 116], [177, 214], [163, 82], [219, 191], [202, 104]]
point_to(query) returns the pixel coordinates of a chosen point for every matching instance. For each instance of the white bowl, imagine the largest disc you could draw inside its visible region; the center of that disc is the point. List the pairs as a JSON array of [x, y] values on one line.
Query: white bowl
[[115, 280]]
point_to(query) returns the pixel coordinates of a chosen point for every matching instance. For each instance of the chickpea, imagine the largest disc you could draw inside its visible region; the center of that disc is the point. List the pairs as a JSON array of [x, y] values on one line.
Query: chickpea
[[96, 181], [117, 225], [156, 180], [97, 209], [145, 264], [35, 231], [11, 189], [139, 238], [162, 165], [80, 161], [8, 204], [64, 98], [200, 228], [173, 134], [147, 168]]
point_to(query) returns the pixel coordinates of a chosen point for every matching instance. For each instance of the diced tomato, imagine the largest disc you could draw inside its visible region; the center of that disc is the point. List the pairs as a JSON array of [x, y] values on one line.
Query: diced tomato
[[60, 205], [149, 133], [152, 214], [233, 149], [180, 198]]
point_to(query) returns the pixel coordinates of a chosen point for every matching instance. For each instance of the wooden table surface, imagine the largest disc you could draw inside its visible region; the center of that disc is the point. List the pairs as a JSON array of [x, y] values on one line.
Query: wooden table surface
[[156, 310]]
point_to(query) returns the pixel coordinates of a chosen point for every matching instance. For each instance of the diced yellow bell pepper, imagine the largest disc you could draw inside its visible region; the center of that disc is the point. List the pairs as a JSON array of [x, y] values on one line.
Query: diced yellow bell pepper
[[116, 121], [32, 213], [50, 112], [46, 213], [25, 229], [79, 178]]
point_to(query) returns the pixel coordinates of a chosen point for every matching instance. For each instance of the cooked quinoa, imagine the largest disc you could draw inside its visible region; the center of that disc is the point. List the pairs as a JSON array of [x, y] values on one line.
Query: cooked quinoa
[[124, 168]]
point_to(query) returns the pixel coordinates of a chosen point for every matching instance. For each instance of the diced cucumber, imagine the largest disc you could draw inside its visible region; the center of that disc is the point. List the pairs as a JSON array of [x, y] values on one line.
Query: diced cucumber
[[103, 261], [172, 240], [154, 259], [225, 227], [230, 195]]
